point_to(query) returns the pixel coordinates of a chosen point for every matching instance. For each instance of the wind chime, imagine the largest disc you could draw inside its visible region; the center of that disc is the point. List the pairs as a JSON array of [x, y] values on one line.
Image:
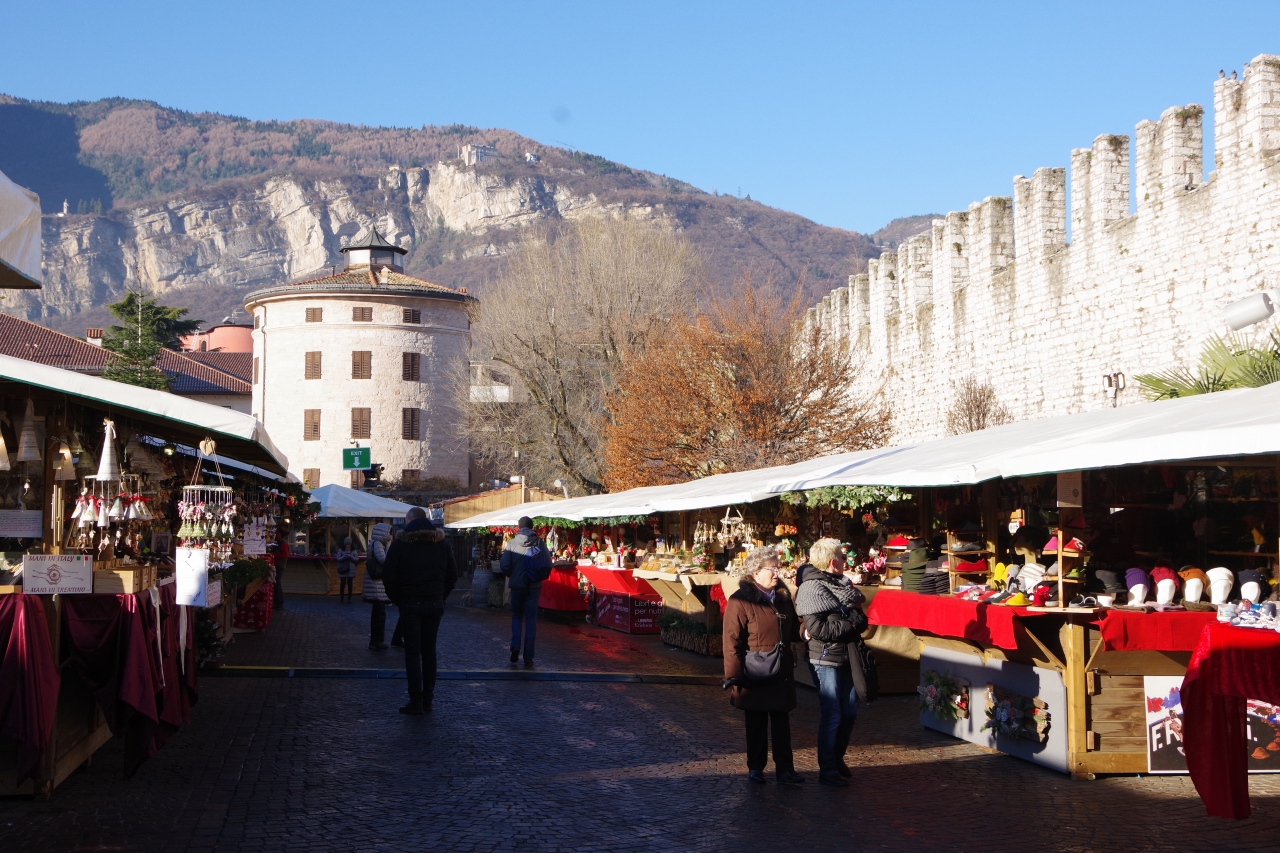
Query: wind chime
[[209, 514]]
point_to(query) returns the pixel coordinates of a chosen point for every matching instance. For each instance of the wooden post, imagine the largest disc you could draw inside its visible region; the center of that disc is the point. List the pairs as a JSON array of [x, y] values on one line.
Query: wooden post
[[991, 520], [1074, 642]]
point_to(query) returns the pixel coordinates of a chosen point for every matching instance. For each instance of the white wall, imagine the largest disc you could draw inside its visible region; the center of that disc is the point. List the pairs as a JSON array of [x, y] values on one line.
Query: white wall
[[996, 291]]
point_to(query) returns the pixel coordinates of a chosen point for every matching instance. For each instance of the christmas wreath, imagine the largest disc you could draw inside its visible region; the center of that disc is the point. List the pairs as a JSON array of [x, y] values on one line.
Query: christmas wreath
[[944, 696], [1016, 716]]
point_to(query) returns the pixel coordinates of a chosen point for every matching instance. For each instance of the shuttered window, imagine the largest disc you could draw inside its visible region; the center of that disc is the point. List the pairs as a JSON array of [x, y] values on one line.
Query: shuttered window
[[310, 477], [310, 424], [315, 315], [313, 366], [357, 479], [362, 314], [361, 423], [255, 370], [410, 475], [362, 364], [410, 369], [413, 316], [410, 425], [257, 321]]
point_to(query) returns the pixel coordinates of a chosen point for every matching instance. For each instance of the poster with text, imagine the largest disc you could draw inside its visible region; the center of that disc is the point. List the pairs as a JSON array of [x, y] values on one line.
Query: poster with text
[[255, 538], [1162, 694], [21, 524], [192, 573], [57, 574]]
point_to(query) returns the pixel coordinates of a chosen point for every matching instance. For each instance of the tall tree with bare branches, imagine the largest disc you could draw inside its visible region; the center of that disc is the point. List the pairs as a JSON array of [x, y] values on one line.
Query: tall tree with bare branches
[[744, 385], [974, 406], [555, 327]]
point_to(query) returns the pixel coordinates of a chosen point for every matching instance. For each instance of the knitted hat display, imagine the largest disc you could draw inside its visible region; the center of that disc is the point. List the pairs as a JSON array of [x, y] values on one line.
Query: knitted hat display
[[1245, 576], [1137, 577], [1163, 573], [1109, 579], [1221, 574], [1189, 573]]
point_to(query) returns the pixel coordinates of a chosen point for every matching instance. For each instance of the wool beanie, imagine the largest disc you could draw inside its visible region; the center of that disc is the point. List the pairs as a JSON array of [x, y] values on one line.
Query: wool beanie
[[1109, 579], [1137, 577], [1163, 573], [1192, 573]]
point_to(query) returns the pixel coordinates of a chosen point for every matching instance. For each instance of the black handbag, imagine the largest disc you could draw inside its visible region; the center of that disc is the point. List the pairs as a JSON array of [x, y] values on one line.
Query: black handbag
[[766, 666]]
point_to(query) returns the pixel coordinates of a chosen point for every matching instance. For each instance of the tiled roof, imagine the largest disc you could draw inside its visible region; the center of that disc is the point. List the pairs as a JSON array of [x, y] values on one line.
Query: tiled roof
[[187, 376], [365, 277], [237, 364], [32, 342]]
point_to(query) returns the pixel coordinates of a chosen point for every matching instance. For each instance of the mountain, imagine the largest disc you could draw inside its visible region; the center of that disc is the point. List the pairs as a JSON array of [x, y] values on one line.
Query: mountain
[[201, 208]]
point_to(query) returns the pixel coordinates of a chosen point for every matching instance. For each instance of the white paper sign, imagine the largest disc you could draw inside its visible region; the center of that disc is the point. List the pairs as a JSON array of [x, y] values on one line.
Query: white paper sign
[[57, 574], [213, 593], [1070, 489], [192, 572], [21, 524], [255, 538]]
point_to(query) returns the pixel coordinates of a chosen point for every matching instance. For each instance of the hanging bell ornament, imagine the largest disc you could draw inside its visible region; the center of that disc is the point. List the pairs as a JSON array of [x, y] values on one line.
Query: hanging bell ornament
[[64, 469], [104, 514], [117, 509], [109, 466], [28, 442]]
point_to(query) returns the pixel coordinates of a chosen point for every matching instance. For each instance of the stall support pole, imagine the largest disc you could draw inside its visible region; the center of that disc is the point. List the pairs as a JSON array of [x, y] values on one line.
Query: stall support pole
[[991, 519], [1074, 649]]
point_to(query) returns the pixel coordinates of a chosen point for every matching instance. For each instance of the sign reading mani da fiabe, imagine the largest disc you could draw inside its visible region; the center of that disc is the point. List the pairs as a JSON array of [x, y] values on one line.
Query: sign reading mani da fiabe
[[356, 458], [57, 574]]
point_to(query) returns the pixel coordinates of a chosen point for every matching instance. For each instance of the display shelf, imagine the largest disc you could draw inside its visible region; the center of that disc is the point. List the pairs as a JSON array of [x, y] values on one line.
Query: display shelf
[[957, 561]]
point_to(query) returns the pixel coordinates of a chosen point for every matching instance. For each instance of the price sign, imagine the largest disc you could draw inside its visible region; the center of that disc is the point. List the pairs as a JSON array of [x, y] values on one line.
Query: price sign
[[356, 458]]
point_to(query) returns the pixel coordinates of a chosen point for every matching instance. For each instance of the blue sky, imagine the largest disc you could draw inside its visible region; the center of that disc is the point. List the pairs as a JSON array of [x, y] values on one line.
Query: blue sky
[[848, 113]]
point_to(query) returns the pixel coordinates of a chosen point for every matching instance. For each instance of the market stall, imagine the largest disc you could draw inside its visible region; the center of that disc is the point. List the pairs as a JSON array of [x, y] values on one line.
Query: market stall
[[112, 541], [342, 512]]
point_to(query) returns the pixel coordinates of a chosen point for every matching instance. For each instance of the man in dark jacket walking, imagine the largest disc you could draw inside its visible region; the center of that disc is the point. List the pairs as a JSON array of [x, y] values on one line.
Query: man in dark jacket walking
[[419, 574], [526, 562], [831, 608]]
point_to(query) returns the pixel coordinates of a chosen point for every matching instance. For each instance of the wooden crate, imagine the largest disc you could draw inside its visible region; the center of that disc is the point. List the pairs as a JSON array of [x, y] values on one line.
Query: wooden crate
[[123, 580]]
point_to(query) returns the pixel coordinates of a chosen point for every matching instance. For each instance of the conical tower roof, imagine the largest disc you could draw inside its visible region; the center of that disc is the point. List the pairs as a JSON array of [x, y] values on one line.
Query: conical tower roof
[[373, 240]]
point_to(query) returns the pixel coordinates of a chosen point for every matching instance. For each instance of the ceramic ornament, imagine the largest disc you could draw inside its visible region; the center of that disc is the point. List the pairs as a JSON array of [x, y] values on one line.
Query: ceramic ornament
[[104, 514], [109, 466], [64, 469], [117, 509], [28, 442]]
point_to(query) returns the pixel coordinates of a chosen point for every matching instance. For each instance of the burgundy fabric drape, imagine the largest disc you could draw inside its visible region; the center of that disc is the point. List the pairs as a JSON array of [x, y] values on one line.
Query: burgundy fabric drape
[[1228, 666], [107, 642], [29, 679]]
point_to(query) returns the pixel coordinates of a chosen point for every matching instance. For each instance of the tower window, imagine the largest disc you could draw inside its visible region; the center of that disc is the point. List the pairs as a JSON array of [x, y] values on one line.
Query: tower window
[[411, 367], [362, 364], [361, 423], [410, 424], [310, 424], [362, 314], [315, 315], [255, 370], [313, 366], [413, 316]]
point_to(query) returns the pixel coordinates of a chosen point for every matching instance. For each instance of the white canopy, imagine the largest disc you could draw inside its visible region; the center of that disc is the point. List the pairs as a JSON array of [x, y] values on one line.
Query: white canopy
[[1226, 424], [340, 502], [236, 434], [19, 236]]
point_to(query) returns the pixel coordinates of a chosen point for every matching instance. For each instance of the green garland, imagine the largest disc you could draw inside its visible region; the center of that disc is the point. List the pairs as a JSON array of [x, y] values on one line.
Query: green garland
[[618, 520], [562, 523], [846, 497]]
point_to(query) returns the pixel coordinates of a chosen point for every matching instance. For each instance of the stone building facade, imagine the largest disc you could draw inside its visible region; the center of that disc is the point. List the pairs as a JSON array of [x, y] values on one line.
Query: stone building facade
[[998, 292], [366, 357]]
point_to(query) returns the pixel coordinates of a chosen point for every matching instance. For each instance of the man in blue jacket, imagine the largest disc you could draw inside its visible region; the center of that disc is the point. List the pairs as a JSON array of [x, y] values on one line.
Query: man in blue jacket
[[526, 563]]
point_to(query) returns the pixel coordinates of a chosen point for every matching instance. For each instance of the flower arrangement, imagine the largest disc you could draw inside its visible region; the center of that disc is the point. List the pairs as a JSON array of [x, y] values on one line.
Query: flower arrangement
[[944, 696], [1016, 716], [702, 559]]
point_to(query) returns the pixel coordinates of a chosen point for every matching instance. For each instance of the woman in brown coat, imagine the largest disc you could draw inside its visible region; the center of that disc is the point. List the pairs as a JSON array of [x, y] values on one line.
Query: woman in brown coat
[[760, 617]]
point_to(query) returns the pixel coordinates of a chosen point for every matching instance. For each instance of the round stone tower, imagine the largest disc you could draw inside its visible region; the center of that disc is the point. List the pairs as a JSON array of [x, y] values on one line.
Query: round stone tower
[[363, 358]]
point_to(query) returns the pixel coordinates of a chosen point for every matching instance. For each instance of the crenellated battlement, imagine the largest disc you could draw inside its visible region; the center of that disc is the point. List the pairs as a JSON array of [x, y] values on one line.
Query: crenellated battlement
[[998, 290]]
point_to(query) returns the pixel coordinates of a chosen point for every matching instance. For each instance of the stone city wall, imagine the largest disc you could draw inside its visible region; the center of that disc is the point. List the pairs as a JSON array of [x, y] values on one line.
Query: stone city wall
[[997, 292]]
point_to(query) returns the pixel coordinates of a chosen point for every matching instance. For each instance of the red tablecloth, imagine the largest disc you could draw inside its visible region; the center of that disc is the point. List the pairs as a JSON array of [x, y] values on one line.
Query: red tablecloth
[[1124, 630], [1228, 666], [29, 679], [616, 580], [560, 591], [991, 624]]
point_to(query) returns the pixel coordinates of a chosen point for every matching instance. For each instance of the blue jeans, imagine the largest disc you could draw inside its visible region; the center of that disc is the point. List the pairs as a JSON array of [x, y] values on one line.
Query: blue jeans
[[524, 612], [837, 712]]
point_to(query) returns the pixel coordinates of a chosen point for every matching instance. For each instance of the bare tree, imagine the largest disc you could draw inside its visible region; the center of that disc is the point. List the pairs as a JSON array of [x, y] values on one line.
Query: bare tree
[[553, 330], [975, 406]]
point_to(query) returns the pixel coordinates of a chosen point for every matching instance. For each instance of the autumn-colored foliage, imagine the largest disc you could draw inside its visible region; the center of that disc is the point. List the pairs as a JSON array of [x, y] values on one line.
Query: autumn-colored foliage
[[742, 385]]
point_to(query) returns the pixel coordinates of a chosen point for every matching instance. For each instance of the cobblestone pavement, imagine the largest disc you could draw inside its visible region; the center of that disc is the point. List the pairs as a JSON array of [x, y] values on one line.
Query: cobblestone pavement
[[328, 765]]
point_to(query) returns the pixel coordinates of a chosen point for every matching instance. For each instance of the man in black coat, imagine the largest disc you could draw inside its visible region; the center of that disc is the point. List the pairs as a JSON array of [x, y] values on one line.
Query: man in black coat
[[418, 576]]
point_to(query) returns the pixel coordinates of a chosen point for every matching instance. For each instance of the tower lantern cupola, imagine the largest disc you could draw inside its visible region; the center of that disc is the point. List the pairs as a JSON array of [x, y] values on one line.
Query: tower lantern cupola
[[373, 250]]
